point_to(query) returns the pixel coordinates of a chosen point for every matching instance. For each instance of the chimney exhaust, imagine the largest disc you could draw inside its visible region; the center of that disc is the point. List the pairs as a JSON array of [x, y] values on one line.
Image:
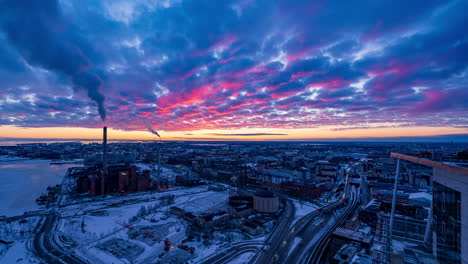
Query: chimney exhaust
[[104, 159]]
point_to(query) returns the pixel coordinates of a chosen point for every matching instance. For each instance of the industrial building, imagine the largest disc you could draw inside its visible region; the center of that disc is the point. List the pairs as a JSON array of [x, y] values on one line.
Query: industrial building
[[118, 179], [265, 202], [187, 180], [103, 178]]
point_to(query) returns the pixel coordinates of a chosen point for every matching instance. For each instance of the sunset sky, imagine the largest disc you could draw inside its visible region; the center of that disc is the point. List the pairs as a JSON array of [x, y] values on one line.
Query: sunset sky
[[244, 70]]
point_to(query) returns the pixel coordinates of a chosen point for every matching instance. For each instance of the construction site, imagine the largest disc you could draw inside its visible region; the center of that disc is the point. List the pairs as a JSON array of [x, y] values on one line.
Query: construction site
[[170, 227]]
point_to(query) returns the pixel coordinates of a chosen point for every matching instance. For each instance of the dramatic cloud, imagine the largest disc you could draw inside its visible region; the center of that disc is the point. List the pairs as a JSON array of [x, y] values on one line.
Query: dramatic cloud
[[191, 65]]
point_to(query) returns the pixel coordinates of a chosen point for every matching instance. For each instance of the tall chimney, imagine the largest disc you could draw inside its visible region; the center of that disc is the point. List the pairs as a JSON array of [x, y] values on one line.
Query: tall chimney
[[104, 160]]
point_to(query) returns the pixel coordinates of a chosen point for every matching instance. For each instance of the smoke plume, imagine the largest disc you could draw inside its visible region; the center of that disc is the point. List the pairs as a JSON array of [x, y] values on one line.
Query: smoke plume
[[44, 39], [153, 131]]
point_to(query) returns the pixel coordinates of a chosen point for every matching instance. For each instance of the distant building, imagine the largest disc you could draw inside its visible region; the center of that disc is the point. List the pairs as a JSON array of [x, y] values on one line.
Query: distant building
[[187, 180], [346, 253], [112, 158], [326, 171], [143, 181], [118, 179], [276, 176], [251, 228]]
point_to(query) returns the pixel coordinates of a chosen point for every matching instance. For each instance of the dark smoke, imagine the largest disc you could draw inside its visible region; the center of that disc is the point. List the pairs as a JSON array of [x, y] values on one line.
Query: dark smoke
[[91, 80], [43, 38], [153, 131]]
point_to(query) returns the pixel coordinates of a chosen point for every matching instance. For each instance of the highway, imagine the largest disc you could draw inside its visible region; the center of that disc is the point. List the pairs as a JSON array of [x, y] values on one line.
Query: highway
[[314, 253], [233, 252], [280, 230], [44, 247], [278, 235], [307, 237], [275, 249], [282, 250]]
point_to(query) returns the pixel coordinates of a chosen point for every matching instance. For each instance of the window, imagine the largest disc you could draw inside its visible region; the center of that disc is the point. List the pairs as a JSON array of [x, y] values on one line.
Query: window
[[443, 201], [443, 238]]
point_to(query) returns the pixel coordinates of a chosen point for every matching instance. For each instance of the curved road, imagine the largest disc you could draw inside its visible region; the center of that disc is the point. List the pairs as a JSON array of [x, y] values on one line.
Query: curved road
[[44, 248], [233, 252], [279, 234], [285, 244], [280, 230], [319, 247]]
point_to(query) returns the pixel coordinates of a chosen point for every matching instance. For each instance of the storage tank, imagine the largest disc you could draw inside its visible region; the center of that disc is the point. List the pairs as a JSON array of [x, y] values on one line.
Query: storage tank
[[266, 202]]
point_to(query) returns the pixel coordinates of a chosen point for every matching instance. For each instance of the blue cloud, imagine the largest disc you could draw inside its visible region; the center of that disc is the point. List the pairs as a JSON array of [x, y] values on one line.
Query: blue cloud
[[230, 64]]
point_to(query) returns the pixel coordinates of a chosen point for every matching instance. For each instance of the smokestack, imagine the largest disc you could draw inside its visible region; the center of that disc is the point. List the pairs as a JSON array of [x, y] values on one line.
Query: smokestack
[[104, 159]]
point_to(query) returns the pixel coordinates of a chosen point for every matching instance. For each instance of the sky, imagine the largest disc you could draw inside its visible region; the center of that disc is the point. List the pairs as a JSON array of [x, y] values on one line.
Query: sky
[[245, 70]]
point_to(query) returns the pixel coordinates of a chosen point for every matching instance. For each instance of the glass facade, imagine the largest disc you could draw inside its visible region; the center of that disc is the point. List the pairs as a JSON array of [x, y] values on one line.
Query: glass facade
[[447, 225]]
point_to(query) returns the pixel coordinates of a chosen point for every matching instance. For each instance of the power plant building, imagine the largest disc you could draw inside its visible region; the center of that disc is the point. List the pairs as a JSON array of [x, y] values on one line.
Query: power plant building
[[108, 177]]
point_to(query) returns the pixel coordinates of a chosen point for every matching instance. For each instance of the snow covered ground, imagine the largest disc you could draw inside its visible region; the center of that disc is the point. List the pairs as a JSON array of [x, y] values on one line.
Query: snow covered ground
[[294, 244], [166, 172], [303, 209], [399, 246], [18, 232], [204, 202], [97, 223], [18, 253], [23, 181], [6, 158], [243, 259], [19, 229]]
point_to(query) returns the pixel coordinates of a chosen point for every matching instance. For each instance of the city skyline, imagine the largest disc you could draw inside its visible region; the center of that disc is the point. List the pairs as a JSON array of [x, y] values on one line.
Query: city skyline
[[233, 131], [247, 70]]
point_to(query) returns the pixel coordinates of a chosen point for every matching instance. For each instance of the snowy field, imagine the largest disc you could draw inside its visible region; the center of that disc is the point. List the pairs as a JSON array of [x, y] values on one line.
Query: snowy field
[[100, 224], [23, 181], [18, 253], [204, 202], [303, 209], [243, 259], [6, 158]]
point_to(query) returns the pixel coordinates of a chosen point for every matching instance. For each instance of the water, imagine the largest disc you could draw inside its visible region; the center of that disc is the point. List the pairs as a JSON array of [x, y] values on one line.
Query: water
[[16, 142], [22, 182], [209, 145], [10, 143]]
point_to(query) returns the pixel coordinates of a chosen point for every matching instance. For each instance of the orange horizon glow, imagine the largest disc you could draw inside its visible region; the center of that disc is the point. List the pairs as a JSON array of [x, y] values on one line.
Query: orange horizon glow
[[200, 135]]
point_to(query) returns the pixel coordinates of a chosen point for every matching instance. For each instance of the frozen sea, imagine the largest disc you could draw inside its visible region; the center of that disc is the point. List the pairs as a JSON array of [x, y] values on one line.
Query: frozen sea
[[23, 181]]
